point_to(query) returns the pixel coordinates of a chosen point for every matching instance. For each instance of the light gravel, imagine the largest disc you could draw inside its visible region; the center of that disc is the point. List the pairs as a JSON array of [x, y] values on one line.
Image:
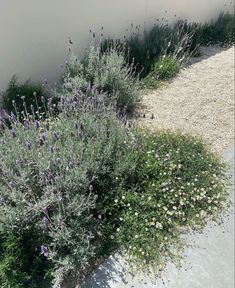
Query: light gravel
[[199, 101]]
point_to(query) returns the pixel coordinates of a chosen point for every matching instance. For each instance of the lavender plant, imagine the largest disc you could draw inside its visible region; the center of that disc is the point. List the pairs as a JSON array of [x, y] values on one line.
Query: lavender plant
[[177, 40], [108, 73], [55, 173], [144, 48], [21, 99], [220, 31]]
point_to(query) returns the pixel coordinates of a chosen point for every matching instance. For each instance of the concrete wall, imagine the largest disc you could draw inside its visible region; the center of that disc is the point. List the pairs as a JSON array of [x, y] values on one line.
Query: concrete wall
[[34, 33]]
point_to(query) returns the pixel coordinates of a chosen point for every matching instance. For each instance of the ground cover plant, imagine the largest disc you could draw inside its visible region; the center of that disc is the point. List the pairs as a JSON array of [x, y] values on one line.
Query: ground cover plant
[[166, 67], [180, 185]]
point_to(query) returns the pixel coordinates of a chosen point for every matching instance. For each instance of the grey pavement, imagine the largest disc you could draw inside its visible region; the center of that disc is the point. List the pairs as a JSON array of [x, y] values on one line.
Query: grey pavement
[[207, 263]]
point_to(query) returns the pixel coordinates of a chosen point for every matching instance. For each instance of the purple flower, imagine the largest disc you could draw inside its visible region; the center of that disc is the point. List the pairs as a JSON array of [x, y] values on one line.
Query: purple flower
[[44, 251], [45, 221], [42, 139], [56, 136], [26, 124], [52, 149], [37, 124], [45, 209], [62, 223]]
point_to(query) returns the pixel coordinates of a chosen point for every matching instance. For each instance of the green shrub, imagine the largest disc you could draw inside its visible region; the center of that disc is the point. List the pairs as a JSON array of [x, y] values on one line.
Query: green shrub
[[108, 73], [179, 185], [150, 82], [21, 264], [180, 39], [220, 31], [162, 39], [166, 67], [53, 176], [22, 99]]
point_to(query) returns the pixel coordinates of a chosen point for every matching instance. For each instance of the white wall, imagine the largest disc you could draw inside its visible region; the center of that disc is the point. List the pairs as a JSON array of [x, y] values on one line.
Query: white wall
[[34, 33]]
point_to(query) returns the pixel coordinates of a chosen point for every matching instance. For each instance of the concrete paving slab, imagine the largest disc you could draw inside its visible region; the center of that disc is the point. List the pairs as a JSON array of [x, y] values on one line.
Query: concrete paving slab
[[208, 263]]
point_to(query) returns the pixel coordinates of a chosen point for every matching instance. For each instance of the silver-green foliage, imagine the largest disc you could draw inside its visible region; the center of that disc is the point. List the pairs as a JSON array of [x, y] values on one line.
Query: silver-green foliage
[[53, 174], [107, 72]]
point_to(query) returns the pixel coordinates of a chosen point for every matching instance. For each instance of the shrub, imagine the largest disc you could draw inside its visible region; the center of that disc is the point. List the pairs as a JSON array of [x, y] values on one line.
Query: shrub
[[150, 82], [179, 185], [220, 31], [108, 73], [180, 40], [146, 48], [165, 68], [21, 264], [53, 176], [22, 99]]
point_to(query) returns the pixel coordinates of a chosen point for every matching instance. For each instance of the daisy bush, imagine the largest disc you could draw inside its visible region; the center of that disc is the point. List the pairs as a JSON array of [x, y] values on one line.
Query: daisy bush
[[179, 185]]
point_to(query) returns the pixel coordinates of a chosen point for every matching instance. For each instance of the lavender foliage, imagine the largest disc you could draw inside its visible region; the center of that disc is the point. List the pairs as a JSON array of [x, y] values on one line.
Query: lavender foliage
[[54, 173]]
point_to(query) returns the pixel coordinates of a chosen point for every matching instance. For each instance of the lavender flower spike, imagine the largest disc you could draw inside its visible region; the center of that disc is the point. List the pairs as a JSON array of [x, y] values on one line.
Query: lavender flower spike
[[45, 209], [37, 124], [26, 124], [45, 221], [56, 136], [44, 251], [52, 149]]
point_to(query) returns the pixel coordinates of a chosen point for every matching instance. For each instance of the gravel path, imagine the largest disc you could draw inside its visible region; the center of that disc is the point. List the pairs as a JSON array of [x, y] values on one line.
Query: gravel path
[[199, 101]]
